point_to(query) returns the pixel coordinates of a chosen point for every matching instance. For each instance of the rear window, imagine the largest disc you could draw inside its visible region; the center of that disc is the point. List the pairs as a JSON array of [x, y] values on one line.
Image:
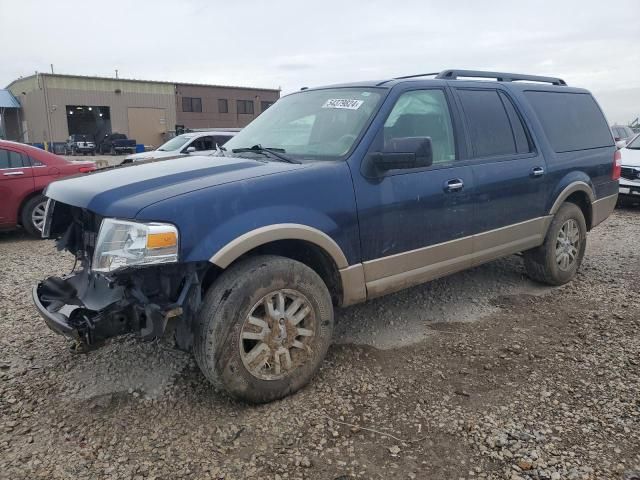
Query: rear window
[[571, 121]]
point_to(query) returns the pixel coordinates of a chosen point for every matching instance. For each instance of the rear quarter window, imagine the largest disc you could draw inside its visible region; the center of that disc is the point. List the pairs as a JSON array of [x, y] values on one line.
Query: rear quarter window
[[571, 121]]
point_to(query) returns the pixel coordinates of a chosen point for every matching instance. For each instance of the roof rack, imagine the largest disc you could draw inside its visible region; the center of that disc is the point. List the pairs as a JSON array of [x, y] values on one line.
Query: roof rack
[[499, 76], [407, 77], [416, 76]]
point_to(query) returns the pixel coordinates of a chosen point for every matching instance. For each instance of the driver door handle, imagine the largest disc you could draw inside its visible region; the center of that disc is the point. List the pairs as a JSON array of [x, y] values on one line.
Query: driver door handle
[[453, 185], [11, 174], [537, 171]]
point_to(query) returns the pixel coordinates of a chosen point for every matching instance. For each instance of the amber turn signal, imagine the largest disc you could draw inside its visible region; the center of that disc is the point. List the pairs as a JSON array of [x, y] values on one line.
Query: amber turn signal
[[162, 240]]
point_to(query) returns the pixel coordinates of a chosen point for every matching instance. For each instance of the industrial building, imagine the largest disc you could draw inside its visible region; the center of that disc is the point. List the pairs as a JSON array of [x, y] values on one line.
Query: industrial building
[[54, 106]]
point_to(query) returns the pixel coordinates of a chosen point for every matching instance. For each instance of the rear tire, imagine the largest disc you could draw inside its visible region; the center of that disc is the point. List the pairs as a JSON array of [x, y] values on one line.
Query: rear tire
[[557, 260], [32, 216], [249, 339]]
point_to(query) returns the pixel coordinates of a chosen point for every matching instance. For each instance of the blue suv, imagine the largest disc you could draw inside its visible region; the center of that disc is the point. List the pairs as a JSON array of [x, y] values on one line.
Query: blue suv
[[332, 196]]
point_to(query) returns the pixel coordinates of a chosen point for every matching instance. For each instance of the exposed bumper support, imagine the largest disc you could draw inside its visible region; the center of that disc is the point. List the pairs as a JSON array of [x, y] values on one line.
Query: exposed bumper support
[[90, 309], [54, 320]]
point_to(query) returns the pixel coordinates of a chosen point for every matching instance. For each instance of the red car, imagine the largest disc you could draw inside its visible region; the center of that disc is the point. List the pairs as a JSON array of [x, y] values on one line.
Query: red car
[[25, 172]]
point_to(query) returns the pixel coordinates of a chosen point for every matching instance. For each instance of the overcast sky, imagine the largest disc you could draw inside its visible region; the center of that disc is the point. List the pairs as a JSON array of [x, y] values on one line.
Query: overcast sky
[[290, 44]]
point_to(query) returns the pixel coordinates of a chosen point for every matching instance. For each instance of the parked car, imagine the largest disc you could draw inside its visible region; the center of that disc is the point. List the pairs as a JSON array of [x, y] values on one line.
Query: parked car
[[630, 173], [395, 183], [197, 143], [25, 172], [116, 143], [622, 135], [79, 144]]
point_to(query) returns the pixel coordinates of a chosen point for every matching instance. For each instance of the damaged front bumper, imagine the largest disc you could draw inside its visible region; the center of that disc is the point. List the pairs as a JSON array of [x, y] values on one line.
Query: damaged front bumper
[[91, 308]]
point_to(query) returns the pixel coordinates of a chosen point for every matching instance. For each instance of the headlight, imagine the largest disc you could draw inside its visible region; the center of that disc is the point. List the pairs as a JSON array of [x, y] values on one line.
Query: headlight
[[123, 244]]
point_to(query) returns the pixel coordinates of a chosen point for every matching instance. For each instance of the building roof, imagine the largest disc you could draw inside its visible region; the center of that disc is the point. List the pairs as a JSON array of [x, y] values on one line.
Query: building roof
[[89, 77], [7, 100]]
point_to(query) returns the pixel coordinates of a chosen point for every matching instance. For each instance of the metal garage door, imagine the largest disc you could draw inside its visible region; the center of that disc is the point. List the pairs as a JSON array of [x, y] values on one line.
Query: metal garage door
[[147, 125]]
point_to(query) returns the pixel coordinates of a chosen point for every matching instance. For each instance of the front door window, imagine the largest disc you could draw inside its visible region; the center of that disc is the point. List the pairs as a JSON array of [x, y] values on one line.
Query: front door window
[[423, 113]]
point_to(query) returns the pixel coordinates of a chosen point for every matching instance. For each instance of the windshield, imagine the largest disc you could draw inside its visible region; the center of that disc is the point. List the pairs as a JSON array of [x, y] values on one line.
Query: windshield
[[635, 143], [175, 143], [316, 124]]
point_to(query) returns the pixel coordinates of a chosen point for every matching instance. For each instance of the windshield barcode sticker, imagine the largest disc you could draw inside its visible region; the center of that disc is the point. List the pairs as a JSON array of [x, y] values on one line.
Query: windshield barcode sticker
[[343, 103]]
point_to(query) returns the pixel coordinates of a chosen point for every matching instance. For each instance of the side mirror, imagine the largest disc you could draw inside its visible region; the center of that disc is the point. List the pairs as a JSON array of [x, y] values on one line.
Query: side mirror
[[403, 153], [191, 149]]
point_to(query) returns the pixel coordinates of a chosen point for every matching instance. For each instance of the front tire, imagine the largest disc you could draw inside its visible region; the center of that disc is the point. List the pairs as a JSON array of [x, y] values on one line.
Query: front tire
[[32, 216], [264, 328], [557, 260]]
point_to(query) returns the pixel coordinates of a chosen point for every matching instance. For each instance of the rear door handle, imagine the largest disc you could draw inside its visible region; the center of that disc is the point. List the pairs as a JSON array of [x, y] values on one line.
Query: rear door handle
[[537, 171], [11, 174], [453, 185]]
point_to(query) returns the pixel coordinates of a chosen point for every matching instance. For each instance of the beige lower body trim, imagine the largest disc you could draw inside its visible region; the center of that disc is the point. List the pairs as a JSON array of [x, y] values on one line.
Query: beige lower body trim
[[602, 208], [353, 285], [515, 238], [396, 272], [271, 233]]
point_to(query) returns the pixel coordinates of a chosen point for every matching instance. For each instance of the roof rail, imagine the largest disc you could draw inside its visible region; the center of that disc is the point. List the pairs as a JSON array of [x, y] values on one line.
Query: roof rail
[[416, 76], [499, 76]]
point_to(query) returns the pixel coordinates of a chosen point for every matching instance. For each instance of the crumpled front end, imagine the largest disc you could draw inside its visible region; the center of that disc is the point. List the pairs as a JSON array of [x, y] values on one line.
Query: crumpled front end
[[91, 307]]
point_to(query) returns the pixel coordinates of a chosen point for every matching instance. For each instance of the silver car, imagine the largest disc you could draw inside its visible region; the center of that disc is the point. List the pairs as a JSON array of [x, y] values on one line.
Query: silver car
[[201, 143]]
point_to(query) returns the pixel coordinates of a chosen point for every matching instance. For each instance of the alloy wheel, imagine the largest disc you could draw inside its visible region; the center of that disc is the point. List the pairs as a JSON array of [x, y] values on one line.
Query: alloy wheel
[[276, 337], [567, 244], [37, 216]]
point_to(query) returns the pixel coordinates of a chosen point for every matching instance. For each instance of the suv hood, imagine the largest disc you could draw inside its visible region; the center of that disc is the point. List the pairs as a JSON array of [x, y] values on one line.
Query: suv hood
[[124, 191], [630, 157]]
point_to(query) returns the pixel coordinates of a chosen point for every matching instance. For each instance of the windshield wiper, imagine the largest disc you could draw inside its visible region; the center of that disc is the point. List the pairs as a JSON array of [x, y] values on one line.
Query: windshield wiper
[[273, 152]]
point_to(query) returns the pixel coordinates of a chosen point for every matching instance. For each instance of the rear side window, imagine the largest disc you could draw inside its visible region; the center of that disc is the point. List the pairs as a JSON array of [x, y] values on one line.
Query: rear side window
[[494, 125], [520, 136], [571, 121]]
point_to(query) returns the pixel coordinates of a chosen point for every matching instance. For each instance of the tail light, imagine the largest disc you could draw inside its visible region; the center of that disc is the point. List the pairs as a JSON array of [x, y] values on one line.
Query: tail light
[[617, 165], [86, 169]]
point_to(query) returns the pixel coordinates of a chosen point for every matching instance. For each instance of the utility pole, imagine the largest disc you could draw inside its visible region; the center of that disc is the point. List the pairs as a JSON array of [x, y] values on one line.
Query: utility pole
[[116, 73], [52, 68]]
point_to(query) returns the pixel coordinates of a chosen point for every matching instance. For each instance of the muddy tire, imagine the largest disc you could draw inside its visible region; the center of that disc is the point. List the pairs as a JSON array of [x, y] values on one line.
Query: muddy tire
[[557, 260], [32, 215], [264, 328]]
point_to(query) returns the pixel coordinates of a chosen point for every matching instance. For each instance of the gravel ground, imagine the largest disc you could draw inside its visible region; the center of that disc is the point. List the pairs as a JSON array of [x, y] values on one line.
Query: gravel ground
[[483, 374]]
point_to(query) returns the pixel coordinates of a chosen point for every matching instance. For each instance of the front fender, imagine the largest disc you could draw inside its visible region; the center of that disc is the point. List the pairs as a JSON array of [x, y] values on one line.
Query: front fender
[[316, 204], [240, 234]]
